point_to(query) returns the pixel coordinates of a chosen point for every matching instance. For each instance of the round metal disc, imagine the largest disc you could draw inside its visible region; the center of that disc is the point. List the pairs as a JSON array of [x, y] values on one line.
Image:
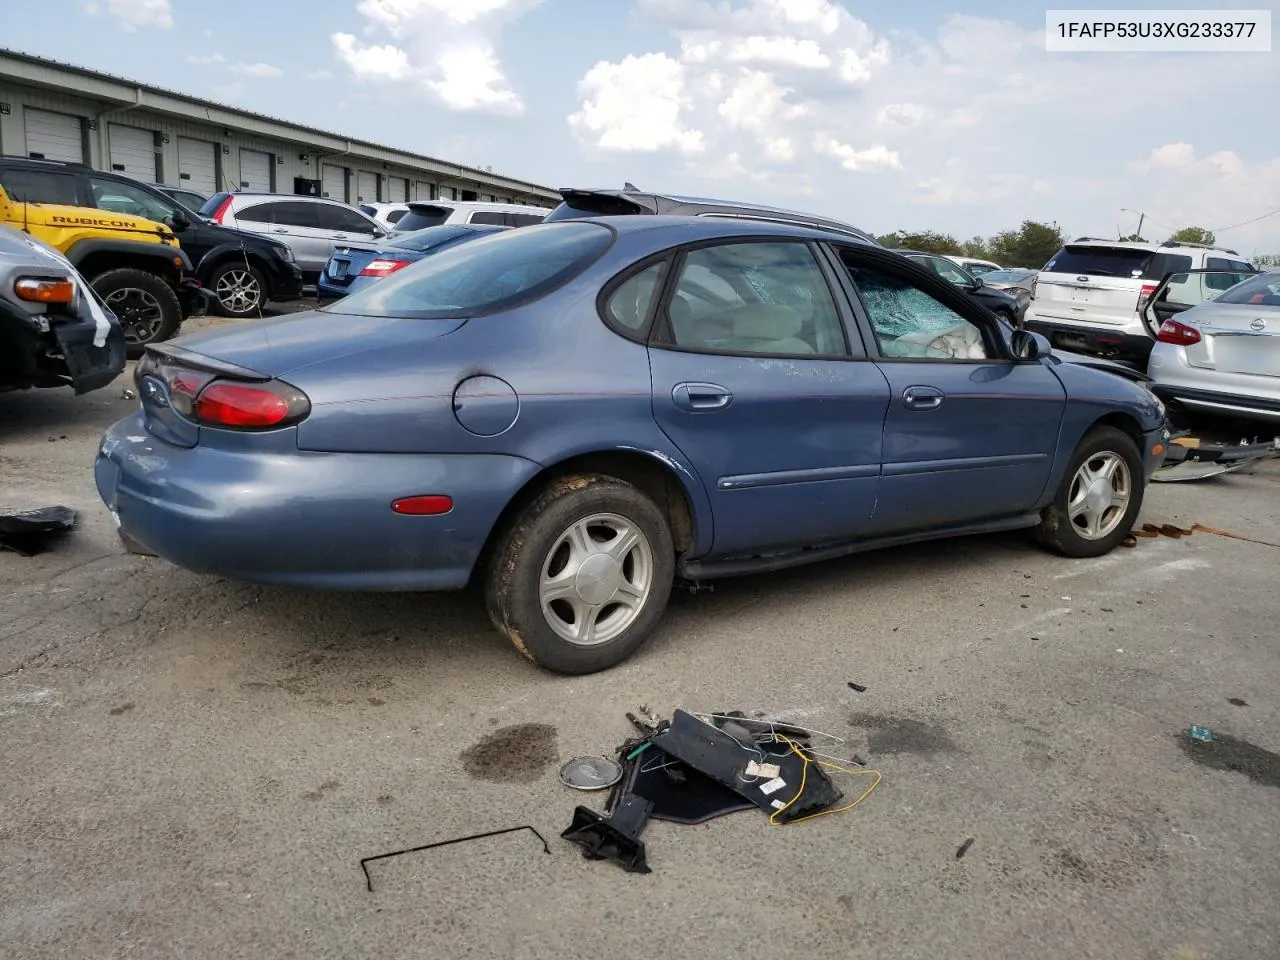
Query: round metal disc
[[590, 773]]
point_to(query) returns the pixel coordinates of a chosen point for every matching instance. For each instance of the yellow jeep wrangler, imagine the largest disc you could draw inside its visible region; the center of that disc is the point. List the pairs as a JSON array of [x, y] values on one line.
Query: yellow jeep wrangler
[[135, 264]]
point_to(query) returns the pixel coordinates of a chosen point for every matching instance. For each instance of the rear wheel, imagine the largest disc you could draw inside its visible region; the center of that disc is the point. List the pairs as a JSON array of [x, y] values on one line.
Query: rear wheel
[[582, 576], [241, 291], [1099, 499], [145, 305]]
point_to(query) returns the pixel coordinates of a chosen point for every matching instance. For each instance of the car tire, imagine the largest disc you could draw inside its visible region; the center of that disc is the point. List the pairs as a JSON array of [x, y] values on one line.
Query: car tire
[[239, 290], [143, 302], [602, 613], [1085, 518]]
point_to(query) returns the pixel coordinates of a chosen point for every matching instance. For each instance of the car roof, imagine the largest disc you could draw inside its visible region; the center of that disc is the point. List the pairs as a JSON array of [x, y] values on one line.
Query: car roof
[[709, 228], [474, 205], [1148, 246]]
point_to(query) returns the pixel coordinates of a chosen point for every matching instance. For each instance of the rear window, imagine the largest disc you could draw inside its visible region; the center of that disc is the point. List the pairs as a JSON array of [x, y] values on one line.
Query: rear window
[[212, 204], [371, 211], [484, 276], [422, 215], [577, 206], [1124, 262], [1261, 290]]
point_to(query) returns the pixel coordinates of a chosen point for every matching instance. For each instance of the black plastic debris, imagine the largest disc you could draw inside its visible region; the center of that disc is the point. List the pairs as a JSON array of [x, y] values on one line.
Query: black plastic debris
[[29, 532], [615, 837], [964, 848], [678, 793], [859, 688]]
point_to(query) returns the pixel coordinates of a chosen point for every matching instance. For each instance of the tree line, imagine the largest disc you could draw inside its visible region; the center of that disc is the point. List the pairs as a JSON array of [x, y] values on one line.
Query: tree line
[[1032, 245]]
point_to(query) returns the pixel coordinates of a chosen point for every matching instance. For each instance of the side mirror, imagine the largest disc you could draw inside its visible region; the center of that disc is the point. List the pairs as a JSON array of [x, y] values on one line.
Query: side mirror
[[378, 233], [1028, 346], [977, 283], [179, 220]]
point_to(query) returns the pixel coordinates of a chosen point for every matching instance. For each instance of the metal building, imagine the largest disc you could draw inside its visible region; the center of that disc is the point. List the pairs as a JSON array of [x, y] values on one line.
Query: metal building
[[59, 111]]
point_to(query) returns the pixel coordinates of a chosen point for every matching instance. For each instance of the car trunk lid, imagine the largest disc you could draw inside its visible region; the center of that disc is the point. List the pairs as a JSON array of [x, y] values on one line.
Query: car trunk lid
[[1236, 338]]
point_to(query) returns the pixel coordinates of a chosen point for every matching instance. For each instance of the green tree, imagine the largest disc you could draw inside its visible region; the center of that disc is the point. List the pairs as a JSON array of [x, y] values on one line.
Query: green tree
[[1194, 235], [928, 241], [1031, 245], [976, 247], [1133, 238]]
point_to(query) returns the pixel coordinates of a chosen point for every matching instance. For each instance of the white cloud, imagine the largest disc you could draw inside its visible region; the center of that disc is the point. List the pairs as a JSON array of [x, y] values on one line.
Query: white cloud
[[446, 48], [260, 70], [969, 129], [374, 61], [134, 14], [319, 75], [635, 105], [471, 79], [878, 157], [205, 60]]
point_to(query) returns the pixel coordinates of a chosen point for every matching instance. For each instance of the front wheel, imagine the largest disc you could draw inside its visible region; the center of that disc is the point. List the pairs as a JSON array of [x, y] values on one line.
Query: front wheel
[[582, 576], [241, 290], [144, 303], [1099, 498]]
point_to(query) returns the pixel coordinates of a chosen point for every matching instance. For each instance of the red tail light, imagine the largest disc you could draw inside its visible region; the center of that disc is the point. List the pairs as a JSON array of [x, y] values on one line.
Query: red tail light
[[1178, 334], [222, 210], [1145, 294], [383, 268], [250, 406]]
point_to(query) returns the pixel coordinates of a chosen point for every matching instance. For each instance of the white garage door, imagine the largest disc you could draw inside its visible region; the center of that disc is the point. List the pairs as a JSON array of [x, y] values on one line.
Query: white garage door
[[333, 182], [133, 152], [367, 187], [197, 165], [53, 136], [422, 190], [397, 189], [255, 170]]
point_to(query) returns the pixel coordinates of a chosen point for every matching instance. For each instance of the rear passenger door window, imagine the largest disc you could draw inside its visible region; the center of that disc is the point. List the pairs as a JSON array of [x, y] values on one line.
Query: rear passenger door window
[[342, 220], [755, 298], [288, 213], [490, 217]]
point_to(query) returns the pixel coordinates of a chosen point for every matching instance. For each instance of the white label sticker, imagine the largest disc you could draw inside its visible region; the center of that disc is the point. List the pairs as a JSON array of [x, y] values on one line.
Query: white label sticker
[[773, 786], [768, 770], [777, 804]]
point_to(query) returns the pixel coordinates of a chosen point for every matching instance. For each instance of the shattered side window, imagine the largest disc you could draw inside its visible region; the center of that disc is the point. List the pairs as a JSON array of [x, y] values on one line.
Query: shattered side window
[[910, 323]]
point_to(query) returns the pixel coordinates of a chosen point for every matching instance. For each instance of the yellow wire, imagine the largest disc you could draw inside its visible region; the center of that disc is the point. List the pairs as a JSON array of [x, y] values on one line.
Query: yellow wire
[[804, 776]]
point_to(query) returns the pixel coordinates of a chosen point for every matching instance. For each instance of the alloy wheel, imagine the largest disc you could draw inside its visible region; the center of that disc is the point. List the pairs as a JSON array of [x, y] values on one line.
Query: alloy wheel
[[238, 291], [138, 311], [1100, 495]]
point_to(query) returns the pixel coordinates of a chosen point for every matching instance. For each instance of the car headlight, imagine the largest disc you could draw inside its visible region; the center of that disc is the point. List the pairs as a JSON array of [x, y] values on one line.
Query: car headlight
[[284, 252]]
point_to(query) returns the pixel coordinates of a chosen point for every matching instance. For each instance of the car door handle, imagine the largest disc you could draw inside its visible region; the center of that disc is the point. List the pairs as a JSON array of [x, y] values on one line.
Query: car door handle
[[701, 397], [280, 230], [922, 398]]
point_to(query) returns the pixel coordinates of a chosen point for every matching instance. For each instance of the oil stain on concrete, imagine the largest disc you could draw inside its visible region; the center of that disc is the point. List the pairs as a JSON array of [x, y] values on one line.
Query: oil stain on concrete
[[516, 754], [1225, 752], [893, 735]]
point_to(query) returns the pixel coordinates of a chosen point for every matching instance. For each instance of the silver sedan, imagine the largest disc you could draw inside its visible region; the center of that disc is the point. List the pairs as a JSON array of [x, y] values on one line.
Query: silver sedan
[[1217, 343]]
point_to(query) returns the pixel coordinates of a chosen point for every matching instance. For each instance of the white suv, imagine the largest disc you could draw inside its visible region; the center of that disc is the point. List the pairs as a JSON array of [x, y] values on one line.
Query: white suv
[[1089, 297], [432, 213]]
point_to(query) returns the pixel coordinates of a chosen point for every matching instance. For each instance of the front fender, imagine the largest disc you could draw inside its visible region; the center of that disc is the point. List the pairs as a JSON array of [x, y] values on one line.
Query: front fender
[[172, 257], [211, 260]]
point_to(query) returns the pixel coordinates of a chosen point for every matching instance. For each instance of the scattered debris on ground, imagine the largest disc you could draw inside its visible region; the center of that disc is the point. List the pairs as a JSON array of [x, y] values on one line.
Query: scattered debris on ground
[[1191, 458], [29, 532], [1150, 531], [695, 767], [364, 863]]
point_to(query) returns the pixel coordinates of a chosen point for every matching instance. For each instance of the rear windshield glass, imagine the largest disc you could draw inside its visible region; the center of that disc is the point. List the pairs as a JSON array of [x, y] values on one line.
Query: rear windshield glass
[[592, 205], [1125, 262], [430, 237], [212, 204], [1262, 290], [422, 216], [483, 276]]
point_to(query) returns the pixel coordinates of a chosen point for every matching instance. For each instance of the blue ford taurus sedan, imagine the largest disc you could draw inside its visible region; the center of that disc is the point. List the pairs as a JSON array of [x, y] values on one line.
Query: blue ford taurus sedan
[[577, 414]]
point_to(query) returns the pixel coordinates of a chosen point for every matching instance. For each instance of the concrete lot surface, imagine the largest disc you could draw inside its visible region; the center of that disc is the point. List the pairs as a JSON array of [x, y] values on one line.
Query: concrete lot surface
[[192, 768]]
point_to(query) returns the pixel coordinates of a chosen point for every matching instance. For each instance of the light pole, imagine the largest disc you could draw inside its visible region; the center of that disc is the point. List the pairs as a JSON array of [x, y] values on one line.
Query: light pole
[[1141, 217]]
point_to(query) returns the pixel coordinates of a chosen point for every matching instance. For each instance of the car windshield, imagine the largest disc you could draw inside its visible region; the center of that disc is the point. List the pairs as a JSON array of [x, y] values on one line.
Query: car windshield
[[484, 276], [431, 237], [1008, 276], [1262, 290]]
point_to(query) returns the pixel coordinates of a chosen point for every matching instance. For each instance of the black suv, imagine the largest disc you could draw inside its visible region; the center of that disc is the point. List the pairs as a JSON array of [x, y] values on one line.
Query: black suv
[[632, 200], [242, 271]]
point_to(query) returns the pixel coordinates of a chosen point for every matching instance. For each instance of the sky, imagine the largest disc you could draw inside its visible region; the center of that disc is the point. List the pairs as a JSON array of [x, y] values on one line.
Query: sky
[[921, 115]]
